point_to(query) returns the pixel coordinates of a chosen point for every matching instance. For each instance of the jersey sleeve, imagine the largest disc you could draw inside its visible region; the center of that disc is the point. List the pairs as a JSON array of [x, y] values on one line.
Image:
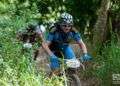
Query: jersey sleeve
[[77, 36], [50, 37]]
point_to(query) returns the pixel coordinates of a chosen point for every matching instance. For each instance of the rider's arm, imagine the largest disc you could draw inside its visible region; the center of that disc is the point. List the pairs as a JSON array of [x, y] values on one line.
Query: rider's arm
[[82, 45], [53, 58], [46, 44], [79, 41]]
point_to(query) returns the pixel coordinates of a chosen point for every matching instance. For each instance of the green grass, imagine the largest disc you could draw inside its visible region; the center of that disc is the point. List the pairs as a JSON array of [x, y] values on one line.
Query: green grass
[[17, 68], [108, 63]]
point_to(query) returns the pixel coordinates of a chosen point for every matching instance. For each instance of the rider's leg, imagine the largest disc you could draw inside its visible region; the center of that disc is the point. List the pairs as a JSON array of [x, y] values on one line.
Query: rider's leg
[[54, 62], [68, 52], [55, 65], [53, 58]]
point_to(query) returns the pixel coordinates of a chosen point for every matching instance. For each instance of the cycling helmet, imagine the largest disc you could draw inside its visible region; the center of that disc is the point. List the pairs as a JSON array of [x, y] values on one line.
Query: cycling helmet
[[66, 18]]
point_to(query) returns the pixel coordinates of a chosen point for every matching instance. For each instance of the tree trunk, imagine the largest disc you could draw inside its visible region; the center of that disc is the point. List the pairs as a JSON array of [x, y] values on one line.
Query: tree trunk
[[100, 26]]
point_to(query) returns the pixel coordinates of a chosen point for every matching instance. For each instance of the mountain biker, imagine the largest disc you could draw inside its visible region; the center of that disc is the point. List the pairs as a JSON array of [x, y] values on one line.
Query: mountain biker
[[59, 38]]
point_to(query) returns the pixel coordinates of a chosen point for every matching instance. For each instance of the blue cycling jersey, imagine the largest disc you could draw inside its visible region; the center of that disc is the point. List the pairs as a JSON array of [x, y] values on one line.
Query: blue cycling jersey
[[61, 37]]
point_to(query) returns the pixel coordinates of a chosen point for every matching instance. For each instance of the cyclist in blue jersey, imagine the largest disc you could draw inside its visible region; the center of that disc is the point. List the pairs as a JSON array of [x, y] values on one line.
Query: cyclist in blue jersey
[[59, 38]]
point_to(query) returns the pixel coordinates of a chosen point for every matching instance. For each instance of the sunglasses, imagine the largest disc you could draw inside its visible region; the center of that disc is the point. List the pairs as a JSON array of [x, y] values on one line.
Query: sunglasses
[[65, 25]]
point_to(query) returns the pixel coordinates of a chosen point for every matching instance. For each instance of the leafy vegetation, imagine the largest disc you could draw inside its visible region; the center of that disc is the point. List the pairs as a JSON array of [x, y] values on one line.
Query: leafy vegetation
[[17, 68]]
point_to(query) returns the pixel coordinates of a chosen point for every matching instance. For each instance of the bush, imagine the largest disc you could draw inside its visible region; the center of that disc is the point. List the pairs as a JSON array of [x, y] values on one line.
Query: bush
[[108, 64]]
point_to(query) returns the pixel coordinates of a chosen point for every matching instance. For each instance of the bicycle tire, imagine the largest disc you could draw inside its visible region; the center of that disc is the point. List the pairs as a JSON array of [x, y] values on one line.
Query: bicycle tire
[[73, 80]]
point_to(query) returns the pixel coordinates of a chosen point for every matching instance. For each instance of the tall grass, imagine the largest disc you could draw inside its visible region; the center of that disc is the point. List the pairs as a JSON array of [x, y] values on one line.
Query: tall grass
[[108, 63], [17, 68]]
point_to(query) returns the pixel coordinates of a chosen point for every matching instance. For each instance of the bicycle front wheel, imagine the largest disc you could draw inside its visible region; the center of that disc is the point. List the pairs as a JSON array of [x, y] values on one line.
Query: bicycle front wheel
[[73, 80]]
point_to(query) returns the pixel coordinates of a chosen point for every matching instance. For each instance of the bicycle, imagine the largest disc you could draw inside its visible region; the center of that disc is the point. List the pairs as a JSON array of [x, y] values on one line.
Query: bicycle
[[71, 73], [69, 68]]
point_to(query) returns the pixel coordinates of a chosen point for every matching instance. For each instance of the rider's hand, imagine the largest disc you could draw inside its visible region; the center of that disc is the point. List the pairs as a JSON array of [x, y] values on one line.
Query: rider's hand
[[54, 61], [85, 57]]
